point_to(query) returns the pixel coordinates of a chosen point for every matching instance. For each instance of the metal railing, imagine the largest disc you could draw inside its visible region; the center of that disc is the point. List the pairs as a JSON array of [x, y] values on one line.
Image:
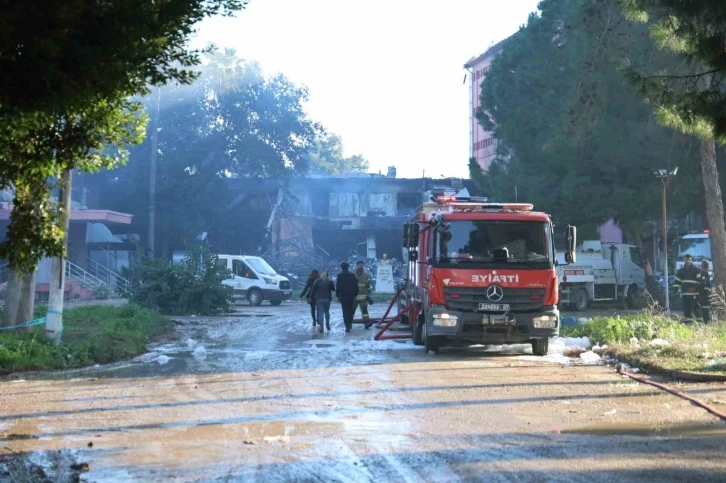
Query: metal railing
[[78, 274], [115, 282]]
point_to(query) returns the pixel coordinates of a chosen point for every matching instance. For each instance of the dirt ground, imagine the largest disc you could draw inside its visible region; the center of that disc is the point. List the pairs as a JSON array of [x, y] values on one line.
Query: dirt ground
[[261, 397]]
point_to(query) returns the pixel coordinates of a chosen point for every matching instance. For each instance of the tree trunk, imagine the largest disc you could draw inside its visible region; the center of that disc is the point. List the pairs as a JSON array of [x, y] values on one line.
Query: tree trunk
[[12, 298], [54, 320], [27, 300], [636, 233], [714, 209]]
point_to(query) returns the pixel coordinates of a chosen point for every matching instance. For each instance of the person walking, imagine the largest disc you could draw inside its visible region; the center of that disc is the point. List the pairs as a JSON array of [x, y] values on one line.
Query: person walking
[[704, 292], [346, 290], [687, 281], [308, 293], [364, 288], [322, 290]]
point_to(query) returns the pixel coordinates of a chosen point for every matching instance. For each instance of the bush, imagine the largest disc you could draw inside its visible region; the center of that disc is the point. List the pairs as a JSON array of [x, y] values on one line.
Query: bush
[[613, 330], [191, 287], [92, 335]]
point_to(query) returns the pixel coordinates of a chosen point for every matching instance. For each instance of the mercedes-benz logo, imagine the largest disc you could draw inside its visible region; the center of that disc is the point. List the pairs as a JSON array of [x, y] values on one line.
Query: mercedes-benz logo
[[495, 293]]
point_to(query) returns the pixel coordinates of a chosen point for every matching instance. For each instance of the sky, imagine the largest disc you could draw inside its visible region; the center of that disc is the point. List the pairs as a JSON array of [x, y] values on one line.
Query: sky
[[386, 75]]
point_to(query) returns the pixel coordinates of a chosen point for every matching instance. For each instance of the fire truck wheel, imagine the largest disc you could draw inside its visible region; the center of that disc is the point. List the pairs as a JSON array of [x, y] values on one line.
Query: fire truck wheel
[[540, 347], [418, 332], [581, 301], [430, 343]]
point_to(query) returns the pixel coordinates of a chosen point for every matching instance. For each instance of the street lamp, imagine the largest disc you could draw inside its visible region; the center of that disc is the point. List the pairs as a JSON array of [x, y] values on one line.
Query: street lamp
[[664, 176]]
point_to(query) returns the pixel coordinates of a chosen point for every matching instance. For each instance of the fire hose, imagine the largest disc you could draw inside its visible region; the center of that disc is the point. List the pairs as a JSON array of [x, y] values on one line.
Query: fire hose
[[681, 395]]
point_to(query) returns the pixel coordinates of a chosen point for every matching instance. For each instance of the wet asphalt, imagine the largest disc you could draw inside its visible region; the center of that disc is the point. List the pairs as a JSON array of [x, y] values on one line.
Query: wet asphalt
[[261, 396]]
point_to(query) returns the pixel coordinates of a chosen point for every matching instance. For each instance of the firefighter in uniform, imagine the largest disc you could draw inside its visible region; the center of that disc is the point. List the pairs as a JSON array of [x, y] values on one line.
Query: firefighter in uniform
[[364, 288], [704, 291], [687, 280]]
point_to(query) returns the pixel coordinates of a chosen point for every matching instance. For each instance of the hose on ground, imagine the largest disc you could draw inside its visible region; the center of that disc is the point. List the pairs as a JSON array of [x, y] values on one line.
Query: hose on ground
[[681, 395]]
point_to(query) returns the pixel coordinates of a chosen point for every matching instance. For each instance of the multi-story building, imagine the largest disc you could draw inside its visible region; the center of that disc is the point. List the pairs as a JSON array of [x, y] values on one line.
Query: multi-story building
[[482, 144]]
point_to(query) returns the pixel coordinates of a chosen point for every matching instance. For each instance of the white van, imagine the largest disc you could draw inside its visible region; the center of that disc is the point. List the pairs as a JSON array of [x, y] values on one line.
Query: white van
[[255, 280]]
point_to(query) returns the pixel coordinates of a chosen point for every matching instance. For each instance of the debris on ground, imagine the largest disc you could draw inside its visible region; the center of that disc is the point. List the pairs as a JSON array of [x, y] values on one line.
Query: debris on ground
[[162, 359], [659, 343], [612, 412], [590, 356]]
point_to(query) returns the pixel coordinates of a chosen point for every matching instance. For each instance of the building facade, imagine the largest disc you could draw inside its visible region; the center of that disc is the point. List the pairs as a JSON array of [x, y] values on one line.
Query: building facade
[[482, 144]]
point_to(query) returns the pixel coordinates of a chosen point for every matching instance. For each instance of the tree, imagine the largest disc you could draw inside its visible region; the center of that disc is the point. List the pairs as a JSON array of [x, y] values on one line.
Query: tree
[[573, 140], [690, 97], [63, 59], [326, 157], [232, 121]]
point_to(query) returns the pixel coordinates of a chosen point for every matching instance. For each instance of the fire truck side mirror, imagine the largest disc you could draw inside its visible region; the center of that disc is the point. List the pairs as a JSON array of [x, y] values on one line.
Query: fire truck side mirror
[[571, 244], [410, 235]]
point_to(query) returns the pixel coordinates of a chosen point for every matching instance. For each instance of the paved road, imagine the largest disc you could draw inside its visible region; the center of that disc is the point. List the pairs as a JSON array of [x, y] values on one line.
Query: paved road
[[261, 397]]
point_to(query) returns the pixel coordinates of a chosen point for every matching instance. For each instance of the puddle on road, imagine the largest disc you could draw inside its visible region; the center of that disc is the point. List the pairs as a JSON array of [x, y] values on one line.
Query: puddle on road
[[671, 431]]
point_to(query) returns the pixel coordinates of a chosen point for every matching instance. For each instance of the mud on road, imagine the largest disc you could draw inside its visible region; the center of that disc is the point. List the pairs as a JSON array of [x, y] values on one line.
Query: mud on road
[[262, 397]]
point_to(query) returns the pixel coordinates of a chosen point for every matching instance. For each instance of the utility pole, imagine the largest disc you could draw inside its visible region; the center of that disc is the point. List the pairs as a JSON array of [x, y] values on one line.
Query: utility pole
[[152, 176], [664, 176], [54, 319]]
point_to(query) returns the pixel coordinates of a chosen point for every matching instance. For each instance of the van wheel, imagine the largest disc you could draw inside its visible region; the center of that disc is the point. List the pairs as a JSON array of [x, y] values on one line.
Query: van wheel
[[580, 299], [540, 347], [430, 344], [418, 338], [254, 297], [275, 302]]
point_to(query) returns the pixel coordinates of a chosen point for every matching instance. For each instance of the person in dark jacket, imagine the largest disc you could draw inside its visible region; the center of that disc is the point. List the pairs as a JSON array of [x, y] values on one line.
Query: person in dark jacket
[[308, 293], [346, 290], [322, 290], [687, 281], [704, 292]]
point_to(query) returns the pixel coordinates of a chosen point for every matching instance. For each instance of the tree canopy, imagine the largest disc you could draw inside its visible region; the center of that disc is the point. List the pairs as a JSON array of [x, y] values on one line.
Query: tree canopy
[[69, 69], [233, 121], [326, 157], [574, 140]]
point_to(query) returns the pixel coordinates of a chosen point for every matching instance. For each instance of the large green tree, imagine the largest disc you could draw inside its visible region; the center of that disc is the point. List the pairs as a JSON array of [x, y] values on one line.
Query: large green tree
[[232, 121], [690, 97], [62, 62], [326, 157], [573, 139]]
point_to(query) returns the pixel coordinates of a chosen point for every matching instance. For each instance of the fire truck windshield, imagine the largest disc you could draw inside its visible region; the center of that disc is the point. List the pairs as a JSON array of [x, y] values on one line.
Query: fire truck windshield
[[698, 248], [474, 242]]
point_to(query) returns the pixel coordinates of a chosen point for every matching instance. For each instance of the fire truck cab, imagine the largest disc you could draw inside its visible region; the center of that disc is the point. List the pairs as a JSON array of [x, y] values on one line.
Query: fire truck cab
[[482, 273]]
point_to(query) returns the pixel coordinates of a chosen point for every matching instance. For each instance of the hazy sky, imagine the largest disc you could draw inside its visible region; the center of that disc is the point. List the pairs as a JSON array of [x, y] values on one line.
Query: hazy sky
[[387, 75]]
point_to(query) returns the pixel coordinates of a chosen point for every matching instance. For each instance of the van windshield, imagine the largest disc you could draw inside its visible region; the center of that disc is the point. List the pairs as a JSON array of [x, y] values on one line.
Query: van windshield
[[261, 266], [475, 242]]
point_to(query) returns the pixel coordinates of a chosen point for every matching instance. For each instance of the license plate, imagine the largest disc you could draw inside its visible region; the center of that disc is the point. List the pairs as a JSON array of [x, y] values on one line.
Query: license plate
[[287, 292], [494, 307]]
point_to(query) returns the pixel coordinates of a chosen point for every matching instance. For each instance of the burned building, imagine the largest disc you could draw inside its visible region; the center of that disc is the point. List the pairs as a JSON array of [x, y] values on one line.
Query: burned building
[[329, 218]]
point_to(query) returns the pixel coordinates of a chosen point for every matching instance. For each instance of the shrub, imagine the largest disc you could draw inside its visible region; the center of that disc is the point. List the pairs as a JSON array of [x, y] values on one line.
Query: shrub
[[623, 328], [192, 287]]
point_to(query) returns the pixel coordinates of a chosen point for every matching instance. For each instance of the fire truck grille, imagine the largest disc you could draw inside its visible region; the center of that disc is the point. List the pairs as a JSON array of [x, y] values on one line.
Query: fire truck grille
[[284, 285], [519, 299]]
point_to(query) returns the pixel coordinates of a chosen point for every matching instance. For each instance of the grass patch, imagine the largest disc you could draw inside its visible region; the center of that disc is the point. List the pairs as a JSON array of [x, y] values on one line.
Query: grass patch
[[693, 347], [95, 334]]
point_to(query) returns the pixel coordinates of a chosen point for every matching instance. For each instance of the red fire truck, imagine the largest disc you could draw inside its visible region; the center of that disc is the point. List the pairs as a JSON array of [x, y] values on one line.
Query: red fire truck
[[479, 273]]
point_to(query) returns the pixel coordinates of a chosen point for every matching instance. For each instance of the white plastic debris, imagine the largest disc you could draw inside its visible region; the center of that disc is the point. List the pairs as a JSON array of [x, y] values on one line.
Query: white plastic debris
[[162, 359], [574, 351], [200, 352], [560, 344], [612, 412], [659, 343], [600, 349], [590, 356], [634, 342], [190, 343]]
